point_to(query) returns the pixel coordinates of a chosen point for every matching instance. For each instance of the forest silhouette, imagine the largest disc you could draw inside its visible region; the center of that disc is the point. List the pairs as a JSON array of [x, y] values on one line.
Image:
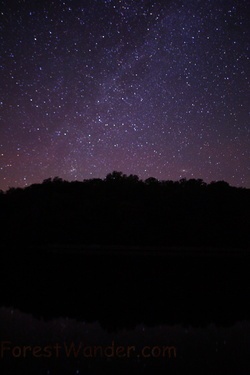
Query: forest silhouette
[[124, 210], [80, 249]]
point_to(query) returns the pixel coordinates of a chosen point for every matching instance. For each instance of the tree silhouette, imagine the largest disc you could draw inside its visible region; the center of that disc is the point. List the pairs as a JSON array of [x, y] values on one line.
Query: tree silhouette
[[122, 209]]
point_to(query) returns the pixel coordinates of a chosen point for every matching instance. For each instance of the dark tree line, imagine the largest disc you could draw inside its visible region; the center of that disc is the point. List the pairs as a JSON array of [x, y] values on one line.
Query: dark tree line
[[124, 210]]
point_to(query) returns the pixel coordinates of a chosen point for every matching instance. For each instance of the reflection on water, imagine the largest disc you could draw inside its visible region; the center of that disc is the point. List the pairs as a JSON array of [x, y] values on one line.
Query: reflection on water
[[163, 313], [67, 346]]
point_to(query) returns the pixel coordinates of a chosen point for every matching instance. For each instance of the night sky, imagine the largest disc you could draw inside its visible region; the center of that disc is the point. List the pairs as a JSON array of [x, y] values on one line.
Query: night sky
[[153, 88]]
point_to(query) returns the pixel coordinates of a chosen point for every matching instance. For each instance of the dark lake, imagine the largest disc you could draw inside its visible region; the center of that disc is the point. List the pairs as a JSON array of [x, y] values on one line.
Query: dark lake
[[113, 310]]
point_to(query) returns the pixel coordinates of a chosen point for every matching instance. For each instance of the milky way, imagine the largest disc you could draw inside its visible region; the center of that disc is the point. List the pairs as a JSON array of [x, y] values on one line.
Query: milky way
[[153, 88]]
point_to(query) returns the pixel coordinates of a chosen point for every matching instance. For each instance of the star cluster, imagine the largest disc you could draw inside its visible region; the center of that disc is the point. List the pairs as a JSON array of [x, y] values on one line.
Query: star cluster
[[153, 88]]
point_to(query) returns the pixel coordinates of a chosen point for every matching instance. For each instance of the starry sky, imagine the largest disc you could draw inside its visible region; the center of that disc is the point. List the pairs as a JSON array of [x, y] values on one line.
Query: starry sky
[[146, 87]]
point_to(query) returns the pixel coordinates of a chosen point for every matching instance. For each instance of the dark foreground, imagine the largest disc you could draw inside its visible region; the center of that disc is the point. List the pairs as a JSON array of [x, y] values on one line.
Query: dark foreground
[[122, 288], [167, 295]]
